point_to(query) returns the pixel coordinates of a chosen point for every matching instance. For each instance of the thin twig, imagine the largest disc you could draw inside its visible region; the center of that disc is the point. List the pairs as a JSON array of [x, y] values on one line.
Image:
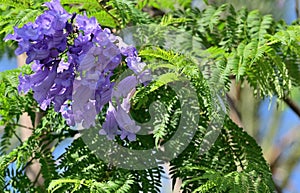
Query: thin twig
[[37, 177], [19, 125], [20, 140], [297, 8]]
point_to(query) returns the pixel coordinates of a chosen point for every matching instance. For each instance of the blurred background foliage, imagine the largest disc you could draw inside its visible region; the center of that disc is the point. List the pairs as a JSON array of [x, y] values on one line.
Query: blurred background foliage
[[275, 7], [273, 124]]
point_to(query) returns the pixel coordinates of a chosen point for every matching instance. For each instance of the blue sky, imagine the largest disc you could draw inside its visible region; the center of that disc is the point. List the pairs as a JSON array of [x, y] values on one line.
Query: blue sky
[[288, 120], [7, 64]]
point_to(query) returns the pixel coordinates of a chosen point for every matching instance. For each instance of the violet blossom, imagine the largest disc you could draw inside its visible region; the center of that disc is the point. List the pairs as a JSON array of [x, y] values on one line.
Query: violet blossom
[[73, 60]]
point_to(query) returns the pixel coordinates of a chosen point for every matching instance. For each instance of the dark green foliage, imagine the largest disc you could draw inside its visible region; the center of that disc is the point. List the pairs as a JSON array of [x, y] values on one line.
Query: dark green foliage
[[82, 171], [233, 164], [235, 161]]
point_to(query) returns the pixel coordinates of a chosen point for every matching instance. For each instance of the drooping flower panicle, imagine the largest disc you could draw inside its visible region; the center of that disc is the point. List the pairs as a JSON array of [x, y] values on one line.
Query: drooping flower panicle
[[60, 46]]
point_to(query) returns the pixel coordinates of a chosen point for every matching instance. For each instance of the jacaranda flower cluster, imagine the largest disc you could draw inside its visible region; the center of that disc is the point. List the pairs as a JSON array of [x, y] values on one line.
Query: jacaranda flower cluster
[[73, 60]]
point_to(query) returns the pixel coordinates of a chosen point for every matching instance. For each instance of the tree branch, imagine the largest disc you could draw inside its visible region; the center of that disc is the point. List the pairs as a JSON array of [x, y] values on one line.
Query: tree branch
[[293, 105], [278, 189]]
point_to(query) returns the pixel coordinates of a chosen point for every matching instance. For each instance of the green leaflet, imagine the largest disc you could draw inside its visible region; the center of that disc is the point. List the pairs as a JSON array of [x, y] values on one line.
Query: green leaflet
[[118, 186]]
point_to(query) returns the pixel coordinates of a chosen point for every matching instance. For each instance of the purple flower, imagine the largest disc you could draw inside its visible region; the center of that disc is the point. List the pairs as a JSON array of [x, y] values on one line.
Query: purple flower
[[89, 115], [63, 66], [103, 91], [63, 88], [125, 86], [24, 83], [135, 64], [88, 25], [73, 63], [29, 31], [23, 46], [67, 113], [29, 81], [55, 6], [59, 100], [119, 119], [41, 90], [130, 136], [57, 16], [125, 122], [36, 54], [110, 126], [101, 38]]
